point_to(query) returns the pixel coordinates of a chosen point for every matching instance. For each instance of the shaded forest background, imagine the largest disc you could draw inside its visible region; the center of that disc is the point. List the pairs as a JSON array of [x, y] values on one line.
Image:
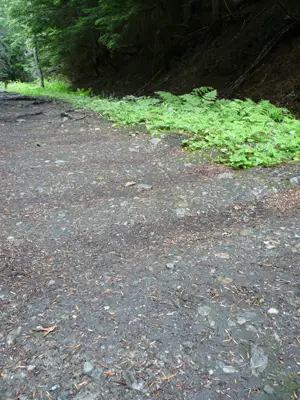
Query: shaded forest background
[[244, 48]]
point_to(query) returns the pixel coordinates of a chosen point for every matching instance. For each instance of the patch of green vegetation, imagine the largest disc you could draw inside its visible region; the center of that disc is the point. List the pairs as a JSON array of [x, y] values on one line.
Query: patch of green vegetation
[[292, 386], [242, 133]]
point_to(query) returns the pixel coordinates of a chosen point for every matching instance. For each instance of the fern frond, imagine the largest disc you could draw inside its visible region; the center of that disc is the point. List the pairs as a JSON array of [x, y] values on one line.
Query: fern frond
[[201, 91], [210, 96]]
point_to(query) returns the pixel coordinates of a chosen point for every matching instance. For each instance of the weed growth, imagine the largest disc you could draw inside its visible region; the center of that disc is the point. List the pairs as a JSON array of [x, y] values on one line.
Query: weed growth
[[243, 133]]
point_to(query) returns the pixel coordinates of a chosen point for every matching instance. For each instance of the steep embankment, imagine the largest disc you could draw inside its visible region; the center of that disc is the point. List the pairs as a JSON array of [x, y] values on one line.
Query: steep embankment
[[256, 54]]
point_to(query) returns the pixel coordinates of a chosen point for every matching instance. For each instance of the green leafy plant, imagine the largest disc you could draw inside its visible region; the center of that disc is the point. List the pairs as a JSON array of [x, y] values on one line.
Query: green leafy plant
[[241, 134]]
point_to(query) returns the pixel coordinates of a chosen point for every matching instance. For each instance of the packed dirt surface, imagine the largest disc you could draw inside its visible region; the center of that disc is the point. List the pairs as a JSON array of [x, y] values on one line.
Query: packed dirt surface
[[131, 269]]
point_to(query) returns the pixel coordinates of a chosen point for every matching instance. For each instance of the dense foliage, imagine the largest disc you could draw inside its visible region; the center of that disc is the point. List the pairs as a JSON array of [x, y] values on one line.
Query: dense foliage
[[66, 32], [91, 39], [240, 133], [80, 37], [15, 39]]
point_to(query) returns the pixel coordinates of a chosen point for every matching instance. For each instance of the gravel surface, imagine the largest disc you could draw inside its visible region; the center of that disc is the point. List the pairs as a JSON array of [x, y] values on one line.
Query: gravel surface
[[131, 269]]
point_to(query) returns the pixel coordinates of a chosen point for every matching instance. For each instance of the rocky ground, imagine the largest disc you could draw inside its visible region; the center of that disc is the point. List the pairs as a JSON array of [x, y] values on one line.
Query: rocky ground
[[132, 270]]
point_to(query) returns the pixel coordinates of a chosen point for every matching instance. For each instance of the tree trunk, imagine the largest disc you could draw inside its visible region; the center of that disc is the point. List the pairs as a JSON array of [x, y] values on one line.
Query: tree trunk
[[38, 68]]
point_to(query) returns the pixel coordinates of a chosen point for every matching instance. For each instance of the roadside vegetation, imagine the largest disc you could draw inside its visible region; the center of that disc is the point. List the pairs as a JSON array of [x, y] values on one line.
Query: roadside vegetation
[[241, 134]]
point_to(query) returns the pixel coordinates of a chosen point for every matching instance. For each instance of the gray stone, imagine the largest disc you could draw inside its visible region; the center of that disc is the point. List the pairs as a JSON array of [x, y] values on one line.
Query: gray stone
[[88, 367], [231, 323], [226, 175], [188, 345], [97, 373], [155, 141], [271, 244], [181, 212], [63, 396], [18, 242], [248, 315], [170, 265], [268, 389], [224, 279], [4, 295], [273, 311], [128, 377], [246, 232], [144, 186], [137, 385], [258, 360], [220, 364], [204, 310], [295, 179], [241, 320], [251, 328], [128, 184], [12, 336], [228, 369]]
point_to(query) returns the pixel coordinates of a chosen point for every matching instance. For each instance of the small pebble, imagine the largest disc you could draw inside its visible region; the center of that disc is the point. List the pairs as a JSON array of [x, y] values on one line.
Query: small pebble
[[258, 360], [228, 369], [295, 179], [137, 385], [131, 183], [11, 337], [170, 265], [204, 311], [181, 212], [144, 186], [251, 328], [268, 389], [155, 141], [273, 311], [88, 367], [188, 345], [224, 279], [226, 175]]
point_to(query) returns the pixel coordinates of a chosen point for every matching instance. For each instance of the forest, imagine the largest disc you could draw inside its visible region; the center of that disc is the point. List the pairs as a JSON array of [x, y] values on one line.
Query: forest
[[136, 46]]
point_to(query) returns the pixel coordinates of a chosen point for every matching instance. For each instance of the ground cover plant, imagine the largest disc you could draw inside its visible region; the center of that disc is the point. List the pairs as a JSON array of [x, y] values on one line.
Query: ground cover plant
[[242, 133]]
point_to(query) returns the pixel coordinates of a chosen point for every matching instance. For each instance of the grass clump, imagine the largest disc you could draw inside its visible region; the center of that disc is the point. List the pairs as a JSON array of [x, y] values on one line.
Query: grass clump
[[243, 133]]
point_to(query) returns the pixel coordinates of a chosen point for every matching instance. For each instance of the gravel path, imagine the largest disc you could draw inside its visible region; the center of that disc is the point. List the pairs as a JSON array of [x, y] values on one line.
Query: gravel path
[[132, 270]]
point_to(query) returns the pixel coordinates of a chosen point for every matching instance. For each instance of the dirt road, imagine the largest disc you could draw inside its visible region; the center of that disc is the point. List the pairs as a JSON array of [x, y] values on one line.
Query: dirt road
[[131, 270]]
